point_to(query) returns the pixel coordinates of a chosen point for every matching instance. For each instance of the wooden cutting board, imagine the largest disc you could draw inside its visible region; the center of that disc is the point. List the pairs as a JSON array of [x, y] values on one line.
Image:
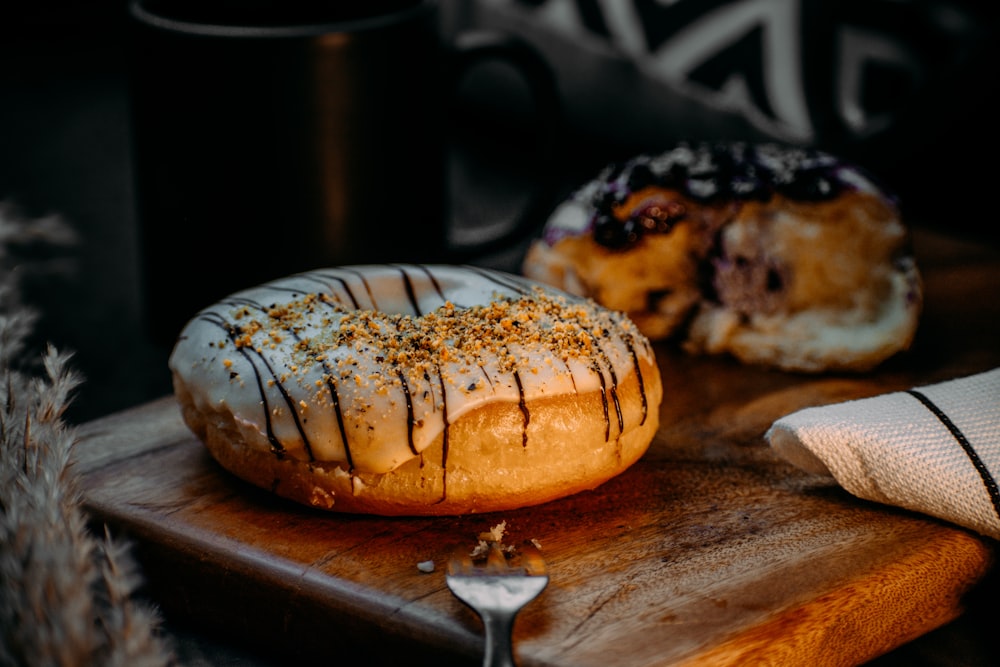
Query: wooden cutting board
[[710, 550]]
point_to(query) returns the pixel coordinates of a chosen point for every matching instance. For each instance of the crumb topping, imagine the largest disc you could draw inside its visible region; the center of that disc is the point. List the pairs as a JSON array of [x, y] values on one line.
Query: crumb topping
[[321, 330]]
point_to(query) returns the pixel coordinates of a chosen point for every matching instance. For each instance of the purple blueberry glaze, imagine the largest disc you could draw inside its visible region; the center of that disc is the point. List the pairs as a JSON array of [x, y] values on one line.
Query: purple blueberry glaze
[[711, 173]]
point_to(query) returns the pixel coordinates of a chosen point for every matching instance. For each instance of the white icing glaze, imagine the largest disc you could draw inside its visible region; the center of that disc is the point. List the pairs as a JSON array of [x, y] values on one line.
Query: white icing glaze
[[364, 365]]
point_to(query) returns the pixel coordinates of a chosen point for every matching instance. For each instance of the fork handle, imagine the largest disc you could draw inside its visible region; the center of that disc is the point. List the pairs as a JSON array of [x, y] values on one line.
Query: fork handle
[[499, 645]]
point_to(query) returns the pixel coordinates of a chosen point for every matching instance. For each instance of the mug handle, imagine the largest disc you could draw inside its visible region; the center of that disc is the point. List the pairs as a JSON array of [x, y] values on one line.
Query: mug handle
[[479, 46]]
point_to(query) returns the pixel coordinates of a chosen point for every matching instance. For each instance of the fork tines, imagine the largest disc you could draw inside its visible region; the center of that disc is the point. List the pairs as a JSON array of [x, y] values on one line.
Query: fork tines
[[497, 588]]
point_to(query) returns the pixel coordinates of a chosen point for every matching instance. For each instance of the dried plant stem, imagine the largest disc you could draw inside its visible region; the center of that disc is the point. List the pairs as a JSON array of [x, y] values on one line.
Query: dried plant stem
[[66, 597]]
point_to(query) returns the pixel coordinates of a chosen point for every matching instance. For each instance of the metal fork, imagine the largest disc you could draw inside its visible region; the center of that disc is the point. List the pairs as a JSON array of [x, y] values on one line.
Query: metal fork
[[497, 590]]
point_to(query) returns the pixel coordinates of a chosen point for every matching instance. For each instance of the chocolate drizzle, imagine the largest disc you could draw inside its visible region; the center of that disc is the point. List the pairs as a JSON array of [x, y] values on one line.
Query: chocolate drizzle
[[335, 398], [340, 281], [642, 381], [523, 405], [444, 436], [410, 294], [434, 281], [509, 282], [409, 411], [604, 401], [613, 391], [233, 333], [364, 283]]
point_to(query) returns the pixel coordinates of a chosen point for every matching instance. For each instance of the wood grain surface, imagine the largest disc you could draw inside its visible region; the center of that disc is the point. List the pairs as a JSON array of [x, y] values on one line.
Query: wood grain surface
[[710, 550]]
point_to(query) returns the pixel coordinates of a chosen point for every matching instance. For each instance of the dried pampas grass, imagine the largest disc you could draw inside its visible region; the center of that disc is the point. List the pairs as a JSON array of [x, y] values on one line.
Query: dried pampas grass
[[67, 596]]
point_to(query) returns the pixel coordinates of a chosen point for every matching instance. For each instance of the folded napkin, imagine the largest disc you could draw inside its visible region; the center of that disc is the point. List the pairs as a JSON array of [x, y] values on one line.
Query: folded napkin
[[932, 449]]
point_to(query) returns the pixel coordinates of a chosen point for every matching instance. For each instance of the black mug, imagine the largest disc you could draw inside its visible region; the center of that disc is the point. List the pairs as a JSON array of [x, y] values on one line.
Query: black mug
[[275, 137]]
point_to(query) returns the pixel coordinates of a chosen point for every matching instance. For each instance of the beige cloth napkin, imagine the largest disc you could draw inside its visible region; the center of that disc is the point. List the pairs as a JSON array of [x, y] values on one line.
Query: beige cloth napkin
[[932, 449]]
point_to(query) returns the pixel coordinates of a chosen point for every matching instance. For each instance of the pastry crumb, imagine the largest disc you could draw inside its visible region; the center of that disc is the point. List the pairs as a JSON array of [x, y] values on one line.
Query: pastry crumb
[[495, 533], [319, 497], [493, 538]]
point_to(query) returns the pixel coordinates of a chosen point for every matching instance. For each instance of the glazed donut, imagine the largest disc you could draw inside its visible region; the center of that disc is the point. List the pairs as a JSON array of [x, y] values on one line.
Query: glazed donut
[[416, 389], [779, 256]]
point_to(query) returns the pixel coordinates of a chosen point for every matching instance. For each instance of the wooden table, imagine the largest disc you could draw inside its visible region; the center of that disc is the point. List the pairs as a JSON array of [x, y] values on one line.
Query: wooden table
[[710, 550]]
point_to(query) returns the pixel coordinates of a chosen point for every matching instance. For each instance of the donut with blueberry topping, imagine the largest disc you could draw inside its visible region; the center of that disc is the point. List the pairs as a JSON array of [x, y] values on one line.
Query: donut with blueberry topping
[[781, 256]]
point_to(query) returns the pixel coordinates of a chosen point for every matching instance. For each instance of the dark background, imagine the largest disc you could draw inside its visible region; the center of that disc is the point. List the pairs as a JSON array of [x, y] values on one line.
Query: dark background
[[65, 150]]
